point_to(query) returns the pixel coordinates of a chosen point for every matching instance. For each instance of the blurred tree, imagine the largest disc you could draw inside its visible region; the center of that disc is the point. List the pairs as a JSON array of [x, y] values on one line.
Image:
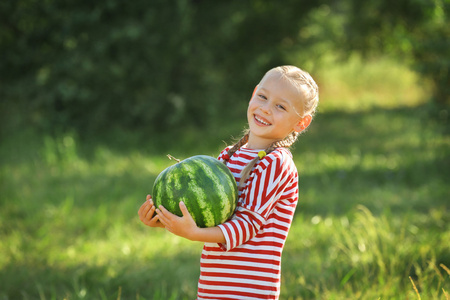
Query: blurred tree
[[417, 30], [156, 64], [163, 64]]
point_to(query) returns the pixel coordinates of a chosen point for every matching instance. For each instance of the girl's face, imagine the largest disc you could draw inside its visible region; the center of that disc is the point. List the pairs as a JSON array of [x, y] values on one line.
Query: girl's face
[[273, 112]]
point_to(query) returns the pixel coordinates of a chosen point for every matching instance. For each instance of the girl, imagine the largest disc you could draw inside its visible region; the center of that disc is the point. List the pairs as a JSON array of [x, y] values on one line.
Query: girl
[[241, 258]]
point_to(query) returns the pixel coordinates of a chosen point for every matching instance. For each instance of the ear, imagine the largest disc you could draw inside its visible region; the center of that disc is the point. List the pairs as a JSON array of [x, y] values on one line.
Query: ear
[[303, 123], [254, 92]]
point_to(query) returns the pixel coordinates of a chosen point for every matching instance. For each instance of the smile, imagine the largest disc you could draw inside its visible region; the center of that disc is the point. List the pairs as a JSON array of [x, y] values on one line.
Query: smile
[[261, 121]]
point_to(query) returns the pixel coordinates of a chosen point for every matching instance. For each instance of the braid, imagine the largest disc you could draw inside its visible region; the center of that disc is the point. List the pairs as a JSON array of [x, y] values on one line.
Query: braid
[[239, 144], [285, 143], [236, 146]]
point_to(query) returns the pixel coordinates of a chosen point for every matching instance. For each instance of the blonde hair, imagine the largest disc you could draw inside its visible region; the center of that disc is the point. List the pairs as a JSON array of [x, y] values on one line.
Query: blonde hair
[[306, 87]]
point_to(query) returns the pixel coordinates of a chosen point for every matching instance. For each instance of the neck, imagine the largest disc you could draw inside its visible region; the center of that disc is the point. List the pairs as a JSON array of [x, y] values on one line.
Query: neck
[[258, 143]]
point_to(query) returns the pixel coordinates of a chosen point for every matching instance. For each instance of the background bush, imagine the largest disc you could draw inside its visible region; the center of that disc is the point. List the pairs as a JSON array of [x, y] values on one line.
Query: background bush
[[159, 65]]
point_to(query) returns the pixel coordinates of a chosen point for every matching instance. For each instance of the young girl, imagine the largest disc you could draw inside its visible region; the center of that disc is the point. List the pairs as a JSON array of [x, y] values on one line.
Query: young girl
[[241, 258]]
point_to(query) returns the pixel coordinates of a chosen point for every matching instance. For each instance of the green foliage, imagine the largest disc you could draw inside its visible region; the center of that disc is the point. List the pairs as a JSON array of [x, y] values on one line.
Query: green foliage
[[416, 31], [141, 64], [159, 65], [373, 208]]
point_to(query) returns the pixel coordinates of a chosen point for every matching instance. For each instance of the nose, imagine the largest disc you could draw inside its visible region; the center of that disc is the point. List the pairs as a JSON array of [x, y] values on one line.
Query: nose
[[265, 108]]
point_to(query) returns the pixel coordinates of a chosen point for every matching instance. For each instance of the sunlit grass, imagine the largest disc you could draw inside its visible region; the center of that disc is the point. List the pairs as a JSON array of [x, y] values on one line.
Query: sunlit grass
[[359, 85], [362, 256], [373, 209], [69, 226]]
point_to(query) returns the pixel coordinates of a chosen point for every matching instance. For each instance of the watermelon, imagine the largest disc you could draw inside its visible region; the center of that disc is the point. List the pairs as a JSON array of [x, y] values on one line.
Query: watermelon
[[204, 184]]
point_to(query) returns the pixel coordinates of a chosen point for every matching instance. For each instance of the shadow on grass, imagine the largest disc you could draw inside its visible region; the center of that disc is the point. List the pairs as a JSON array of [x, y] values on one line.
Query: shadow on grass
[[418, 187]]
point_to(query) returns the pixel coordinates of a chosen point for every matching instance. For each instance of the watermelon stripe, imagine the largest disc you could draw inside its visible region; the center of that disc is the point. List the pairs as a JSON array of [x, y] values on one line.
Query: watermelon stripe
[[211, 179], [220, 194], [229, 190], [160, 192], [198, 207], [170, 199], [204, 184]]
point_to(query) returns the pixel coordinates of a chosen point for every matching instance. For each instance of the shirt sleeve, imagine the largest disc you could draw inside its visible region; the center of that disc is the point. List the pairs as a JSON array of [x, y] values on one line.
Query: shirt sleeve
[[264, 188]]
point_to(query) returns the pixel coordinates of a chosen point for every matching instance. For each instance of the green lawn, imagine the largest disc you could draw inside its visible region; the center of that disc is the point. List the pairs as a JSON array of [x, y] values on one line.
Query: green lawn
[[373, 218]]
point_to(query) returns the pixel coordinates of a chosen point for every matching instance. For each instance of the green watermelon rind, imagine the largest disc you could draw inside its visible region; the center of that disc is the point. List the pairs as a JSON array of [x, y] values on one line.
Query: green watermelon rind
[[210, 205]]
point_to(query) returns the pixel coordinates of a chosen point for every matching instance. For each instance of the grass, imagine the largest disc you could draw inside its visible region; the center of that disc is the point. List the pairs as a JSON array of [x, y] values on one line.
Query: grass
[[372, 222]]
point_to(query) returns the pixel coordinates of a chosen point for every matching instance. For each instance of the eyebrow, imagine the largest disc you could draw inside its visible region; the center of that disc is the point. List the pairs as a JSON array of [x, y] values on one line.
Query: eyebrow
[[287, 103]]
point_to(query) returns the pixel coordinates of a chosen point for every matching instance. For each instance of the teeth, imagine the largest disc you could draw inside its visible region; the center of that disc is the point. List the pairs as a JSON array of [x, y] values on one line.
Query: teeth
[[261, 121]]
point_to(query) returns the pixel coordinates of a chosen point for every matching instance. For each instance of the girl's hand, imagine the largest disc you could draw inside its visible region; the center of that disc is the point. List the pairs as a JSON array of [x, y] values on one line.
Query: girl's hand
[[146, 213], [184, 226]]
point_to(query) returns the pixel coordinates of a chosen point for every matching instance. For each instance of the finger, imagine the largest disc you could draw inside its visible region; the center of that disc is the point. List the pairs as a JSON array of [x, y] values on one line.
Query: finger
[[154, 220], [164, 212], [144, 209], [150, 212], [158, 223], [165, 216], [161, 215], [149, 199], [184, 209], [162, 219]]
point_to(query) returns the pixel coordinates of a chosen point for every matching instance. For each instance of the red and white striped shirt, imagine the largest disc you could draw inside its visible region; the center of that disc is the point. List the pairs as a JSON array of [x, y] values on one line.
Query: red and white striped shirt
[[248, 266]]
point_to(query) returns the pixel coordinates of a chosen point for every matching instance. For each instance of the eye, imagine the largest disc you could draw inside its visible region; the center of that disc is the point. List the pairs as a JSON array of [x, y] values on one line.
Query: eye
[[261, 96], [281, 107]]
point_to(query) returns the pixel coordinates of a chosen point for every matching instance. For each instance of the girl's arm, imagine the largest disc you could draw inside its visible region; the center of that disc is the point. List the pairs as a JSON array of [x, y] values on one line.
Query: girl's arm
[[273, 183], [185, 226]]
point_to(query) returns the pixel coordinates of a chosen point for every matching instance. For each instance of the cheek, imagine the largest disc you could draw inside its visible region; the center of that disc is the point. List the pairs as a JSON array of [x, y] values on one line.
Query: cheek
[[249, 111], [252, 105], [284, 119]]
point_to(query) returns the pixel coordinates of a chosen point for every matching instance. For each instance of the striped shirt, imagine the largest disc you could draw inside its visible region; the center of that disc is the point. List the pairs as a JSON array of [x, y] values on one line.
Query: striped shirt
[[248, 265]]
